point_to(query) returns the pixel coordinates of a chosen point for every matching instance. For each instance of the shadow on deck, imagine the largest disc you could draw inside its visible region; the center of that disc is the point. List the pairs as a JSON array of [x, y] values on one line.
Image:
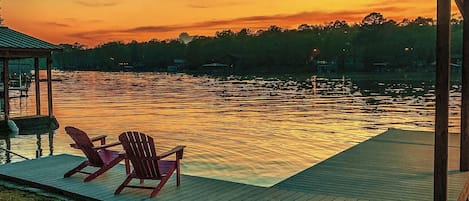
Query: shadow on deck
[[396, 165]]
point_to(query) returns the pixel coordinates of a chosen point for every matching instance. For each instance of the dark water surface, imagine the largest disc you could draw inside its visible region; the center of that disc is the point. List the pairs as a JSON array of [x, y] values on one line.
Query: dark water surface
[[257, 131]]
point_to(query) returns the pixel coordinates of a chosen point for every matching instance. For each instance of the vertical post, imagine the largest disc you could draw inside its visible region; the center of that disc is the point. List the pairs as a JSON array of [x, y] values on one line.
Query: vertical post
[[6, 98], [51, 142], [464, 153], [39, 146], [37, 85], [8, 154], [442, 98], [49, 86]]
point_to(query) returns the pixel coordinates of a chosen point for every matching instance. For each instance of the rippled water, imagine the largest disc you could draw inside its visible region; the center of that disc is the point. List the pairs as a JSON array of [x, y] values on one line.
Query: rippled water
[[257, 131]]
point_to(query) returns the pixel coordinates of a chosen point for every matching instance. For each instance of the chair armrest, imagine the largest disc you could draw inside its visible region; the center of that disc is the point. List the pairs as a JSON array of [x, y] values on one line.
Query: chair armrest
[[178, 150], [106, 145], [101, 138], [122, 154], [74, 146]]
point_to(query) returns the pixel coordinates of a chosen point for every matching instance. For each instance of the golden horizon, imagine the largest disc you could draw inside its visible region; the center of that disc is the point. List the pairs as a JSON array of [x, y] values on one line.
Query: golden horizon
[[92, 23]]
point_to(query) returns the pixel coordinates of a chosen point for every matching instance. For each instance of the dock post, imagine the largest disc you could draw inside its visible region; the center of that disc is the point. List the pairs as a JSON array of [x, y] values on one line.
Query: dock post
[[440, 176], [464, 143], [49, 86], [37, 85], [6, 98]]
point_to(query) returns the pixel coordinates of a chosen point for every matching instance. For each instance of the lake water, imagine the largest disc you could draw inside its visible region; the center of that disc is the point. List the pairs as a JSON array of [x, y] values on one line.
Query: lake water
[[258, 131]]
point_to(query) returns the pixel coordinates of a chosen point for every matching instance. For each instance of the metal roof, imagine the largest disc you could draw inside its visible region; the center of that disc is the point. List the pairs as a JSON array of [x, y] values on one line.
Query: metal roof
[[10, 38]]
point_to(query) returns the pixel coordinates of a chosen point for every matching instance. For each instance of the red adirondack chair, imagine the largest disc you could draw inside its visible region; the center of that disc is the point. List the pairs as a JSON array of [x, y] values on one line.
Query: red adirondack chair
[[97, 156], [140, 149]]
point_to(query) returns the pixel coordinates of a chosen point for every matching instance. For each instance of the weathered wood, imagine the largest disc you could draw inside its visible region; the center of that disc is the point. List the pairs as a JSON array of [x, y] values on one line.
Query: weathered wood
[[37, 86], [6, 98], [12, 53], [440, 185], [49, 86]]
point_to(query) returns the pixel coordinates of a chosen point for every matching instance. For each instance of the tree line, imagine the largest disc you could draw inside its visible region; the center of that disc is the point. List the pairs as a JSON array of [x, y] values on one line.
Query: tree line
[[406, 45]]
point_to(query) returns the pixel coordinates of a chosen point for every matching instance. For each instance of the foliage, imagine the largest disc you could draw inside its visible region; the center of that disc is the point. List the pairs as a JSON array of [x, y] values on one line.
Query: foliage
[[407, 45], [19, 195]]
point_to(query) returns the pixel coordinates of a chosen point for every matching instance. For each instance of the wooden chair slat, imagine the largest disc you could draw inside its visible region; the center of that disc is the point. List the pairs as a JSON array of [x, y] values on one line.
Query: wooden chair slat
[[140, 150], [102, 158]]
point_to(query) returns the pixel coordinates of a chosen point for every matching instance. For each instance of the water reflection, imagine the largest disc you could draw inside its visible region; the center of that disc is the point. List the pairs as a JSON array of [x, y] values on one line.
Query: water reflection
[[17, 153], [256, 130]]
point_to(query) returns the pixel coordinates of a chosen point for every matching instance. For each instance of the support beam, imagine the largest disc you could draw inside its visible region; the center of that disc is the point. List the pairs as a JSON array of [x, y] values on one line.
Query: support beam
[[6, 98], [460, 4], [37, 86], [49, 85], [440, 185], [464, 153]]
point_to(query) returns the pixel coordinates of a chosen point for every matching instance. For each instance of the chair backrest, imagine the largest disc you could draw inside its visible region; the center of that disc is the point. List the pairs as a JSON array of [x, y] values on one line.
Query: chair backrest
[[140, 149], [84, 143]]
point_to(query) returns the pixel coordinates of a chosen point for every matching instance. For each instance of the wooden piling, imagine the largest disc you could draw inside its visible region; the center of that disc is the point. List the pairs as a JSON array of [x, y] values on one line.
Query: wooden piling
[[37, 85], [442, 98], [6, 98]]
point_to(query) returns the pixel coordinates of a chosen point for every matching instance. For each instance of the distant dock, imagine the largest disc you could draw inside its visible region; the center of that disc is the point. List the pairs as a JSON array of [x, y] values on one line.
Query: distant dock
[[395, 165]]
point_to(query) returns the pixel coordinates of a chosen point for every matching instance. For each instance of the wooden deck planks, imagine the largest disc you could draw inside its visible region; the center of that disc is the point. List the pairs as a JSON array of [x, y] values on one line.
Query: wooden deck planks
[[396, 165], [48, 172]]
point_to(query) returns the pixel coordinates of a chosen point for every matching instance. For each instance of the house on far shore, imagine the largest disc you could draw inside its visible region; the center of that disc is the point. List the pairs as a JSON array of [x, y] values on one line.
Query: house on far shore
[[179, 64]]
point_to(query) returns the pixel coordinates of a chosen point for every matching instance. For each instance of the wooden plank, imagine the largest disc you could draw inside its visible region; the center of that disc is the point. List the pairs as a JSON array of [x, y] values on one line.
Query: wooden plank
[[38, 173], [385, 167], [440, 190]]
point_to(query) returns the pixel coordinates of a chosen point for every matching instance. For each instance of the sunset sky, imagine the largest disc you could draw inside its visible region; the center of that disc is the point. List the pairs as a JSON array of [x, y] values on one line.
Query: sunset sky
[[92, 22]]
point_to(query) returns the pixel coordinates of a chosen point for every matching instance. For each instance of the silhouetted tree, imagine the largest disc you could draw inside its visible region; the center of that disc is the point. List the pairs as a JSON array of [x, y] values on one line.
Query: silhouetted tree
[[408, 43]]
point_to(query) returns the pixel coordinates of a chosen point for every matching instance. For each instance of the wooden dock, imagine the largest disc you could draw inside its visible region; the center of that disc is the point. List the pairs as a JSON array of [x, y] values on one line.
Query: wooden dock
[[396, 165]]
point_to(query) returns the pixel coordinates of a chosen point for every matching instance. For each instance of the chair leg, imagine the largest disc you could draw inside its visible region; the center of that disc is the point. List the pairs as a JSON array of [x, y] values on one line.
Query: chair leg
[[162, 183], [124, 184], [102, 169], [159, 187], [78, 168], [97, 173], [127, 166], [178, 173]]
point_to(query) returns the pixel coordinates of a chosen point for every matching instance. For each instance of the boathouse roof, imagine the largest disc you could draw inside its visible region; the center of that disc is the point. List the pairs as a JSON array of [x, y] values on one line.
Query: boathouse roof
[[14, 44]]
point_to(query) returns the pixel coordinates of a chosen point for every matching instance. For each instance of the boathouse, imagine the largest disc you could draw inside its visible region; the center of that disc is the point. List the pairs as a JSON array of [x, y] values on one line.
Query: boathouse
[[13, 46]]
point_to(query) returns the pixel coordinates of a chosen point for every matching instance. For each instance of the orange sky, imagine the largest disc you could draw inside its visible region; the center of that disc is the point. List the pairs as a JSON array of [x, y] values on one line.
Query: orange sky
[[92, 22]]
